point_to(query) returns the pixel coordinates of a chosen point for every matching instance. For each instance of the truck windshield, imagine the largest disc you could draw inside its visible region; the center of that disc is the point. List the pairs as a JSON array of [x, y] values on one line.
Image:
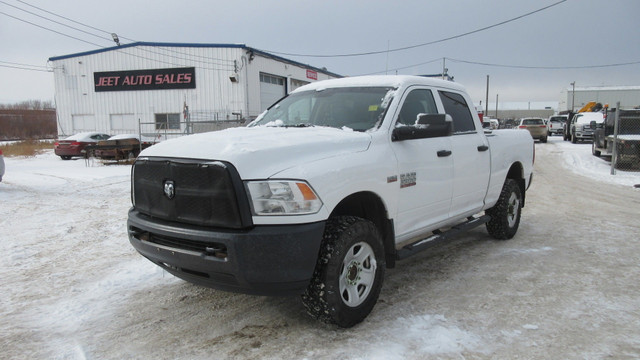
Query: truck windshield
[[355, 108]]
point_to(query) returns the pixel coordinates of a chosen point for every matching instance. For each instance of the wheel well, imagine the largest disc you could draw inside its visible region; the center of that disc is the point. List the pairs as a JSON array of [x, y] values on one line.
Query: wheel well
[[516, 172], [369, 206]]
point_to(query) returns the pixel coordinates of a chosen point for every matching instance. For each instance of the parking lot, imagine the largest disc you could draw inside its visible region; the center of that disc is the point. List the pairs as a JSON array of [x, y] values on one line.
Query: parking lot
[[566, 287]]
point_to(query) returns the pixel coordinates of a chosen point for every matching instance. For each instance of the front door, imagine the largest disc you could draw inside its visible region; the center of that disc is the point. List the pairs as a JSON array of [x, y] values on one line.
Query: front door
[[425, 169]]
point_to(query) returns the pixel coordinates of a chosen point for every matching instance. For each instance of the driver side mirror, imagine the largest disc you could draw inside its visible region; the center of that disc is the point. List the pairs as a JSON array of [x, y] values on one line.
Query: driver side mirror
[[426, 126], [593, 124]]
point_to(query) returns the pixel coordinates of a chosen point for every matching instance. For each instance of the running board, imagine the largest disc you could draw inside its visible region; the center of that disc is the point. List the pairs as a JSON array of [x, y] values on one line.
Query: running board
[[439, 237]]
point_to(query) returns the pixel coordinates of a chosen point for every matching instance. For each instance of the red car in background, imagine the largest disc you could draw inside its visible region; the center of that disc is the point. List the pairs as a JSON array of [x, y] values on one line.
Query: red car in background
[[74, 145]]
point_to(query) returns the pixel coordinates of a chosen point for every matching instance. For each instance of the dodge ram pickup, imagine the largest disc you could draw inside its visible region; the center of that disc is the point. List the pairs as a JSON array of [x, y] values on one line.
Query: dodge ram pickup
[[326, 189]]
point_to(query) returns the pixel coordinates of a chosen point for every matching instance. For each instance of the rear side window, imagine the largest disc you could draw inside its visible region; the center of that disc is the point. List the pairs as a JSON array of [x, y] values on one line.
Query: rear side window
[[456, 106]]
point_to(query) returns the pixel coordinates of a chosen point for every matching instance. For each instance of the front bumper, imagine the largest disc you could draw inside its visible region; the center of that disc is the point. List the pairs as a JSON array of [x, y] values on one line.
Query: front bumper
[[584, 134], [263, 260]]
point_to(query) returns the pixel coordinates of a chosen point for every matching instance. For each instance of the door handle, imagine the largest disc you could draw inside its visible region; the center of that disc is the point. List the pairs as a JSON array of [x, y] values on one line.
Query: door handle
[[444, 153], [483, 148]]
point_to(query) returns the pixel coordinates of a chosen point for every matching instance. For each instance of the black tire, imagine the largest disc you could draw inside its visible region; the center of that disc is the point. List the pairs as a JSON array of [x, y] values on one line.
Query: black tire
[[505, 214], [573, 139], [543, 140], [65, 157], [349, 273]]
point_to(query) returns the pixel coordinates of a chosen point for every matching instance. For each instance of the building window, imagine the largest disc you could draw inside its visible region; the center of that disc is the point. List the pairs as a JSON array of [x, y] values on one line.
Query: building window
[[270, 79], [168, 121]]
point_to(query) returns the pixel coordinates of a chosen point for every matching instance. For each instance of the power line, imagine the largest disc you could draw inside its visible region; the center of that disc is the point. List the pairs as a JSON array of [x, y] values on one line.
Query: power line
[[56, 22], [21, 64], [186, 56], [68, 19], [209, 59], [544, 67], [423, 44], [404, 67], [45, 28], [24, 68]]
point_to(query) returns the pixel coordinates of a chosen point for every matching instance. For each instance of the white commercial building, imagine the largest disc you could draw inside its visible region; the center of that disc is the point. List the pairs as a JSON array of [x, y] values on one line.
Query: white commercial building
[[628, 96], [171, 88]]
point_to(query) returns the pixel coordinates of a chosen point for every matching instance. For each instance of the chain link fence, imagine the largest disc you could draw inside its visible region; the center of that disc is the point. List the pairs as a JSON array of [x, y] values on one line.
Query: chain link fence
[[196, 122], [619, 138]]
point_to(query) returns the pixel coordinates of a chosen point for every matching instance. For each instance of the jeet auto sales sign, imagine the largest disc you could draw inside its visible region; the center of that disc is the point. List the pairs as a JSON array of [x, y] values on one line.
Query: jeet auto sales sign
[[152, 79]]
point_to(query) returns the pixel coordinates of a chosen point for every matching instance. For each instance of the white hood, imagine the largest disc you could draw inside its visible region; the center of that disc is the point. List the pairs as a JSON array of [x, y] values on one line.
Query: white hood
[[261, 152]]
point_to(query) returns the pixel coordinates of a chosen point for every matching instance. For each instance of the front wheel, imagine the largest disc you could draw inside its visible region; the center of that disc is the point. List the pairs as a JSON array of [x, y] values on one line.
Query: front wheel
[[349, 273], [505, 214]]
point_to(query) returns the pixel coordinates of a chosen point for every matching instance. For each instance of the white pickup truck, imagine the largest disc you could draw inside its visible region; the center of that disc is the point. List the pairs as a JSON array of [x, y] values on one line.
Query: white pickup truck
[[326, 189]]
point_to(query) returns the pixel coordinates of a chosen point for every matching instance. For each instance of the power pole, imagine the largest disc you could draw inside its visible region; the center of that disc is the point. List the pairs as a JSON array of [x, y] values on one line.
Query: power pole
[[486, 102], [573, 94], [444, 67]]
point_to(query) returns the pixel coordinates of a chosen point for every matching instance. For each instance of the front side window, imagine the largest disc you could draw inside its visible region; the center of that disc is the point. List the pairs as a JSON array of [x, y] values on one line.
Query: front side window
[[167, 121], [355, 108], [456, 106], [418, 101]]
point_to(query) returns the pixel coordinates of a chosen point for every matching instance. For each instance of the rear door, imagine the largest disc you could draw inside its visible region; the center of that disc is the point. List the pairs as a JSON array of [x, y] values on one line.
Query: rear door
[[470, 154]]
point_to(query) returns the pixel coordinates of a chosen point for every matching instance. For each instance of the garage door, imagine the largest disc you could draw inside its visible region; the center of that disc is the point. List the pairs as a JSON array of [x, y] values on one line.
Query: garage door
[[272, 88]]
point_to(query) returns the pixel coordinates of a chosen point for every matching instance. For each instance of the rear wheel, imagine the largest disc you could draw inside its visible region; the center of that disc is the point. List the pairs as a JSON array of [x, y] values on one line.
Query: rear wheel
[[65, 157], [505, 214], [349, 272]]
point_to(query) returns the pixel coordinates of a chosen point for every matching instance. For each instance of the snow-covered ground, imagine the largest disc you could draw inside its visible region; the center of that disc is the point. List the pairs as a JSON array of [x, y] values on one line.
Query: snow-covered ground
[[72, 287]]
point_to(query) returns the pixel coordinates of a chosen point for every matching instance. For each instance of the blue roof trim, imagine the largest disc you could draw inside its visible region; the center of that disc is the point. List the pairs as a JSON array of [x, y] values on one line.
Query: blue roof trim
[[193, 45]]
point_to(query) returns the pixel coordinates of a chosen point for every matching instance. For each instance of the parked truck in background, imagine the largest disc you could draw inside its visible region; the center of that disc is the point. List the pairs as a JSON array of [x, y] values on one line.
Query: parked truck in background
[[580, 126], [326, 189], [627, 139], [556, 124]]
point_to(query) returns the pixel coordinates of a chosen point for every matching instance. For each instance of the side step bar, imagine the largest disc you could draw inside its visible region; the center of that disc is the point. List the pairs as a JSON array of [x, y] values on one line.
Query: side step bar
[[439, 237]]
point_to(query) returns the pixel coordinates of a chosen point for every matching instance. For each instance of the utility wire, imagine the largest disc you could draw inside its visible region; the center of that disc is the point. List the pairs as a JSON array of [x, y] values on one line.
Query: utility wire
[[544, 67], [56, 22], [45, 28], [228, 62], [185, 57], [21, 64], [68, 19], [404, 67], [423, 44], [24, 68]]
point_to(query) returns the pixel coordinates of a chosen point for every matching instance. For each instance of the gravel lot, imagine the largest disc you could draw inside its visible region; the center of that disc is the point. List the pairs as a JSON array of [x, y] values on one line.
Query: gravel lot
[[566, 287]]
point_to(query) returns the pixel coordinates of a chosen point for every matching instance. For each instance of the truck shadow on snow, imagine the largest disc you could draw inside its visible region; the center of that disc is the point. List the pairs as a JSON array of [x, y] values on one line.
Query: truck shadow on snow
[[177, 300]]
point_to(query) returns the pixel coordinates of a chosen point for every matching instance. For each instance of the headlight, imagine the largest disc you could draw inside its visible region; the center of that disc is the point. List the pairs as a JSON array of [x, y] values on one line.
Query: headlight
[[282, 197]]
